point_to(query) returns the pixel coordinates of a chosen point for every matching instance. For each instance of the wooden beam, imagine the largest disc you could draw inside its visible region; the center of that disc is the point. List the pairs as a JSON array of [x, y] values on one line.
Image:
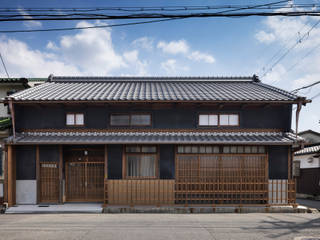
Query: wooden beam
[[60, 174], [11, 177], [38, 173]]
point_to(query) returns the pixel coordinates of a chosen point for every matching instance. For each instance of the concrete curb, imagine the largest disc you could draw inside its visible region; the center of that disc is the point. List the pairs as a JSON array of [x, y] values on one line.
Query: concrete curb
[[190, 210]]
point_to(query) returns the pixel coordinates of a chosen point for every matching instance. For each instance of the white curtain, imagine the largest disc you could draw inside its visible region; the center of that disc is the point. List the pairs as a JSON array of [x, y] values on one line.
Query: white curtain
[[141, 165]]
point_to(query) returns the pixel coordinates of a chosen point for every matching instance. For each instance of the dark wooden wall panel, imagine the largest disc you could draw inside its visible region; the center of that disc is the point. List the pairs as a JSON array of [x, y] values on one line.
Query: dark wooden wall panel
[[278, 162], [26, 162], [167, 161], [115, 161], [309, 181], [174, 117], [49, 153]]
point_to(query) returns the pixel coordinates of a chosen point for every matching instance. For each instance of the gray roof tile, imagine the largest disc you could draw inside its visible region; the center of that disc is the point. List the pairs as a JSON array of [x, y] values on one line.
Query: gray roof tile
[[266, 138], [308, 150], [153, 89]]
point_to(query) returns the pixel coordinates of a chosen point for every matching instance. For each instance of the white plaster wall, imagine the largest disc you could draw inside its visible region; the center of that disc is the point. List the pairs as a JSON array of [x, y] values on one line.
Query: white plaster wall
[[304, 161], [26, 191]]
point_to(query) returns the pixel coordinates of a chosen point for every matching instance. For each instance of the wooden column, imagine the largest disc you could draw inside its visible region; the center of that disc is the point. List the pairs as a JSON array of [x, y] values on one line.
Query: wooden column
[[106, 195], [11, 177], [105, 162], [38, 173], [61, 193]]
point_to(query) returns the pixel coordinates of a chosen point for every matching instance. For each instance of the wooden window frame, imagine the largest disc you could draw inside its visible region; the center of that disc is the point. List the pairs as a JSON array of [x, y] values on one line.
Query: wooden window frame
[[130, 115], [218, 125], [221, 149], [74, 118], [124, 162]]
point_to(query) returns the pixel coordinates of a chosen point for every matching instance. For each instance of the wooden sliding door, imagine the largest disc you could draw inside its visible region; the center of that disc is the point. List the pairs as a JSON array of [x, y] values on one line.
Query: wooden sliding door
[[84, 175]]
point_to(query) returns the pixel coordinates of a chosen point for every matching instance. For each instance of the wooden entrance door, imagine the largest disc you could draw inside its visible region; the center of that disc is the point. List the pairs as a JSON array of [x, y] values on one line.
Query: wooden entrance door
[[49, 182], [85, 181]]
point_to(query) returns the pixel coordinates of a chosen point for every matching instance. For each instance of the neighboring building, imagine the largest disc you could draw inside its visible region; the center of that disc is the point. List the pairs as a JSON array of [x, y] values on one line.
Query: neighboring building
[[7, 86], [151, 140], [310, 136], [307, 170]]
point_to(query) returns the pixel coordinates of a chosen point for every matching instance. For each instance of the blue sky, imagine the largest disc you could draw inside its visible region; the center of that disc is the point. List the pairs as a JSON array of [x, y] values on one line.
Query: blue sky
[[196, 47]]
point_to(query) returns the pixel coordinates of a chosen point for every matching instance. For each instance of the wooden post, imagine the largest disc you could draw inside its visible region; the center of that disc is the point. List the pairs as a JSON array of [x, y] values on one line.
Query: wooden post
[[38, 173], [106, 188], [11, 177], [60, 174]]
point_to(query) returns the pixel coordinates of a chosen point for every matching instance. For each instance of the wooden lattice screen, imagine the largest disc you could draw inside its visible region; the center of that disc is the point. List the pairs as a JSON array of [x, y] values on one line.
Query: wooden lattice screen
[[49, 182], [139, 192], [221, 179], [85, 181]]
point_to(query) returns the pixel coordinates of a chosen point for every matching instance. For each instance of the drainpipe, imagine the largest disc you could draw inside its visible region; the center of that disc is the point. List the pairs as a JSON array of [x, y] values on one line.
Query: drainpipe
[[13, 119]]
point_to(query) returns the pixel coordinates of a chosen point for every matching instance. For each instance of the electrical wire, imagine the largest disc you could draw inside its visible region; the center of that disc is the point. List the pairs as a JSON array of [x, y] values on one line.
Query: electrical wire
[[117, 25], [304, 87], [90, 27], [4, 66], [289, 49]]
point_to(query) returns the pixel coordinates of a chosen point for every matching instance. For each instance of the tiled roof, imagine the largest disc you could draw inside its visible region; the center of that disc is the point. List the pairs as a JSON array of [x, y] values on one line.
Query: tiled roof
[[153, 89], [13, 80], [266, 138], [308, 150]]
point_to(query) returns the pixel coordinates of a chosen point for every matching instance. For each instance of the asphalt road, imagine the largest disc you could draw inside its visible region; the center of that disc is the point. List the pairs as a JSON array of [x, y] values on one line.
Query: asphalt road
[[159, 226]]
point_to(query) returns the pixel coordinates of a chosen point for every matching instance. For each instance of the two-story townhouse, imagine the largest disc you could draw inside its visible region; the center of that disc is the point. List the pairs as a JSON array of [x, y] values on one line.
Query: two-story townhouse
[[151, 140]]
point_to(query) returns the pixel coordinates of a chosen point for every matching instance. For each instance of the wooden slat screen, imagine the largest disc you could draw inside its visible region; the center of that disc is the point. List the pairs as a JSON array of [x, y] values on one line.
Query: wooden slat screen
[[85, 181], [221, 179], [49, 182], [139, 192]]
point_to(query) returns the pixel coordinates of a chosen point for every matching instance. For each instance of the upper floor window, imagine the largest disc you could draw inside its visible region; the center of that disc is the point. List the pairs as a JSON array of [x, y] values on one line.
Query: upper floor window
[[75, 119], [130, 119], [219, 119]]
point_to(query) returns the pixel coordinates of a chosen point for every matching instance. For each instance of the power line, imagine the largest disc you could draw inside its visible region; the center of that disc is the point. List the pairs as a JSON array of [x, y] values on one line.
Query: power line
[[148, 16], [280, 50], [301, 59], [91, 27], [4, 66], [162, 8], [304, 87], [117, 25], [289, 49]]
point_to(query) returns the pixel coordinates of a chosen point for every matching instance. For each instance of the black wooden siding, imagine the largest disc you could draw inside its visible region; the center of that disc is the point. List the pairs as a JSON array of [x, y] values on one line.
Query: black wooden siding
[[278, 162], [178, 117], [26, 161], [309, 181]]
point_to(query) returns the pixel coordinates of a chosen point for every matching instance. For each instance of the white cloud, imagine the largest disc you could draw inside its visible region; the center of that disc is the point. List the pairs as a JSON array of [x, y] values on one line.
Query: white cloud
[[295, 70], [172, 67], [132, 58], [143, 42], [182, 47], [264, 37], [22, 61], [91, 50], [30, 23], [198, 56], [87, 52], [52, 46], [174, 47]]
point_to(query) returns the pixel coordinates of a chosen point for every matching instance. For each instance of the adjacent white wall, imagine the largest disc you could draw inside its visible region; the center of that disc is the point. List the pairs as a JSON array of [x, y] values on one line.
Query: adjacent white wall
[[305, 163], [26, 191]]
